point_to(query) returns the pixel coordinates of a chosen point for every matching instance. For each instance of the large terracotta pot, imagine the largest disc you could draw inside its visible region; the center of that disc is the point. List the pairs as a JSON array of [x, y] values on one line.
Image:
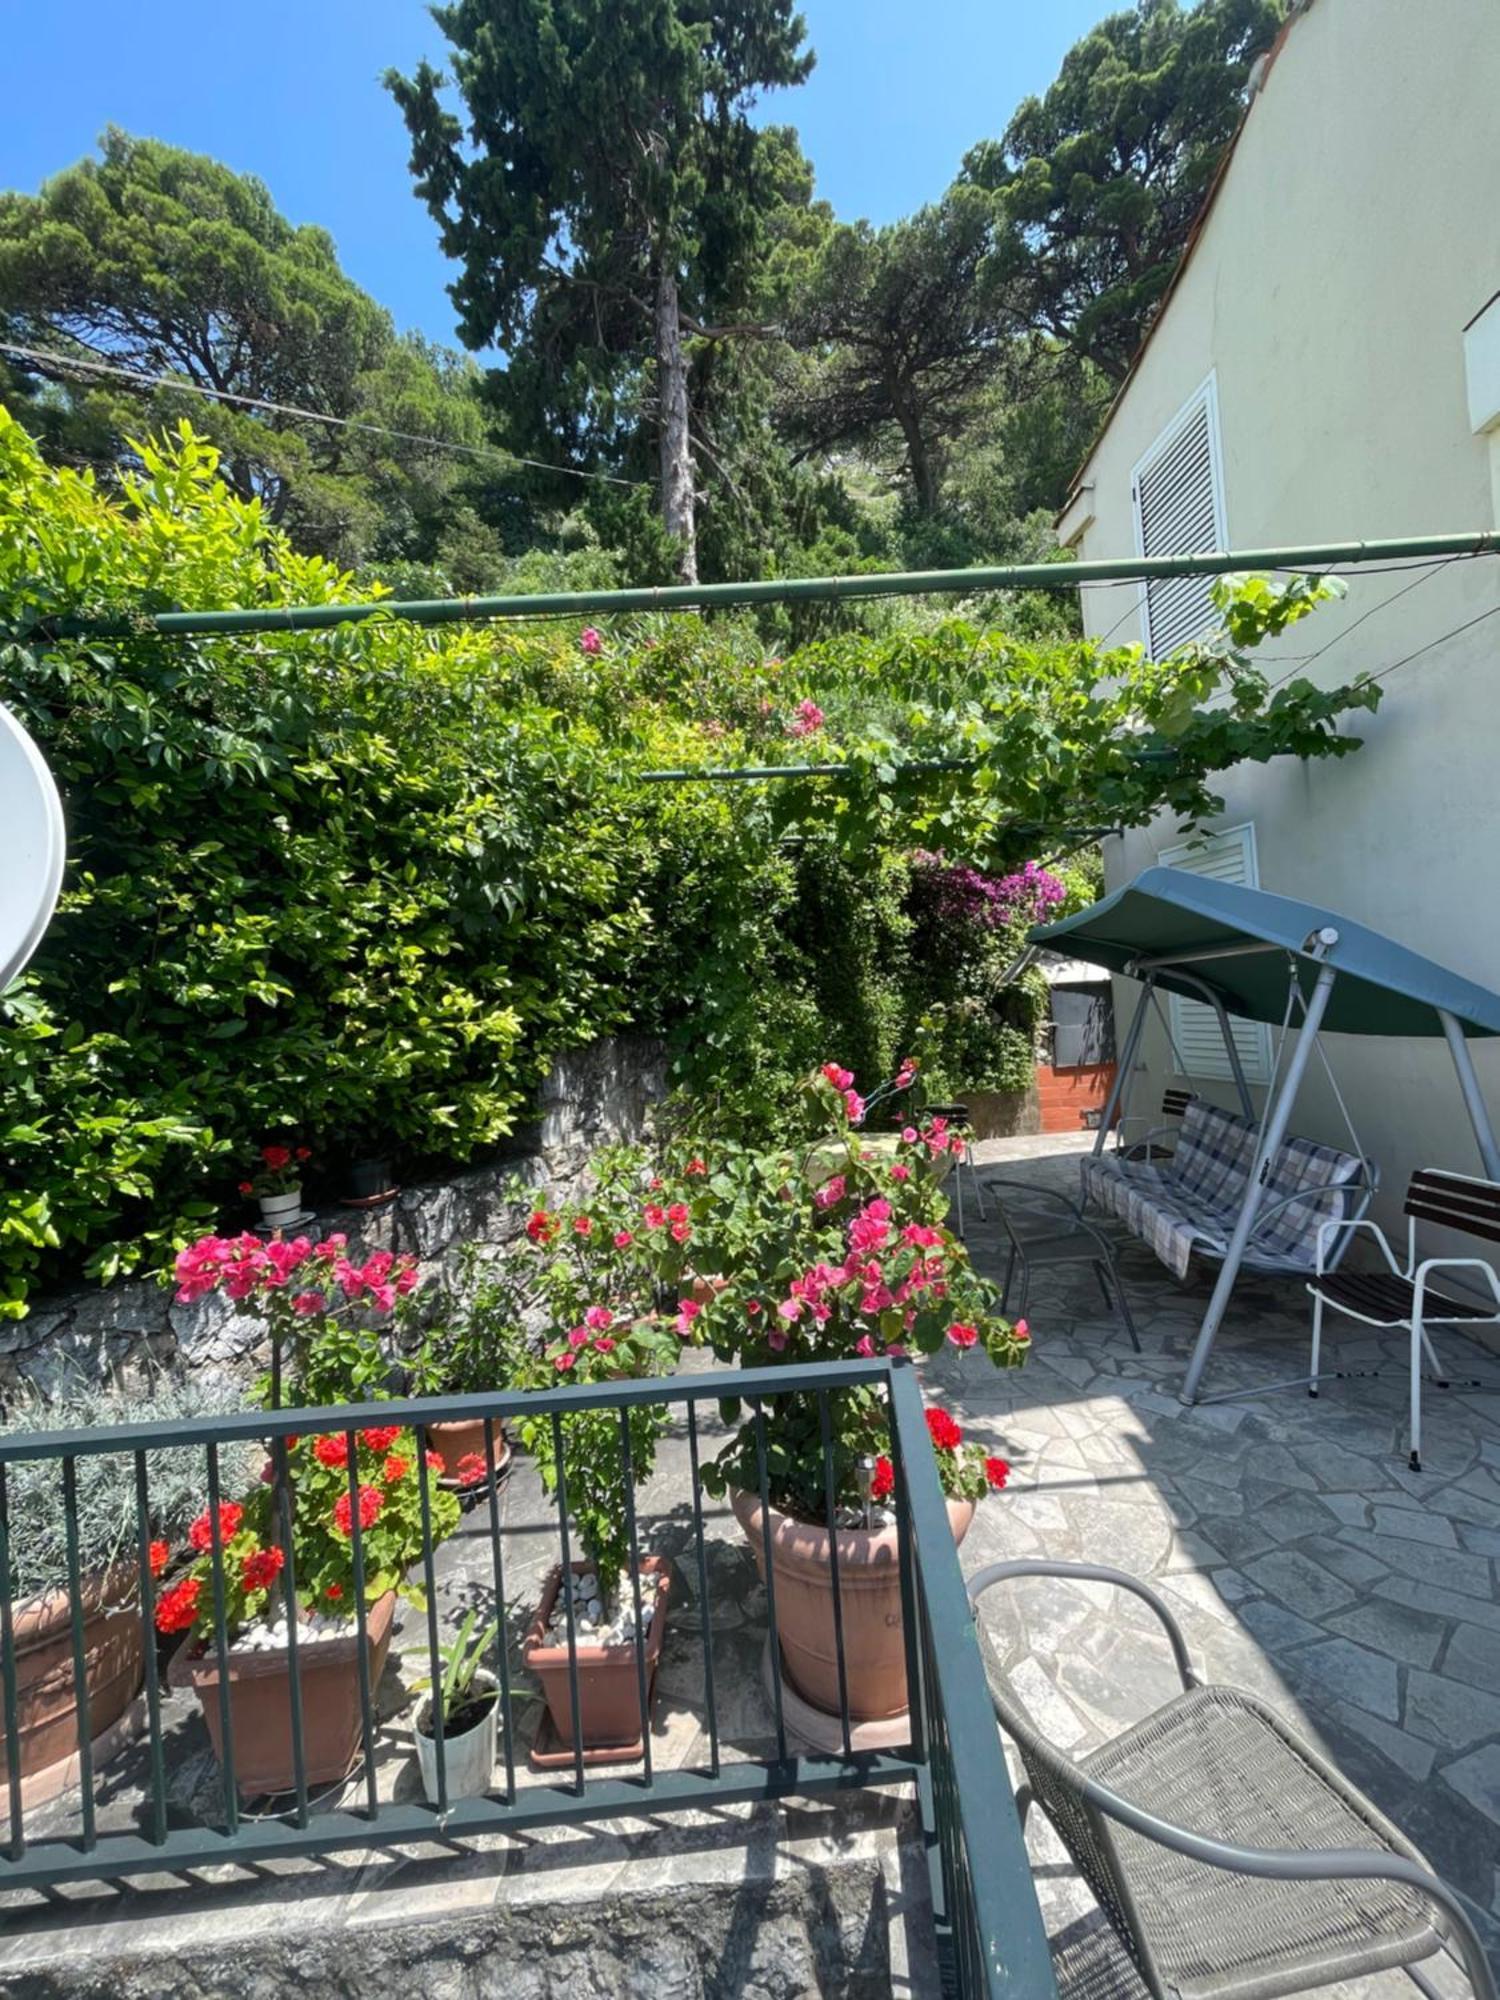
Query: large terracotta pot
[[260, 1703], [609, 1696], [457, 1441], [870, 1596], [46, 1690]]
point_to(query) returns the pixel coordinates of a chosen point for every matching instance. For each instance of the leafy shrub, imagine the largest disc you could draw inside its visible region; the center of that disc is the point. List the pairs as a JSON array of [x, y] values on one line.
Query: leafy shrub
[[360, 887]]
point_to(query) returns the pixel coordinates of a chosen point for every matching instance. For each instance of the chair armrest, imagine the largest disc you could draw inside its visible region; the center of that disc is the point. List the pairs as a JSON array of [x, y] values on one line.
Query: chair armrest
[[1326, 1864], [1007, 1572], [1147, 1138], [1419, 1276], [1325, 1229]]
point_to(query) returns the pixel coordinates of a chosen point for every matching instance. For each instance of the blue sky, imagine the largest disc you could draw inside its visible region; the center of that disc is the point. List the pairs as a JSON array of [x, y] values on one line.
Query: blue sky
[[290, 90]]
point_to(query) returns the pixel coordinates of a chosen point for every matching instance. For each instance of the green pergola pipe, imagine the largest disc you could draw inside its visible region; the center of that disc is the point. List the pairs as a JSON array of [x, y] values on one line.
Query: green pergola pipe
[[779, 590]]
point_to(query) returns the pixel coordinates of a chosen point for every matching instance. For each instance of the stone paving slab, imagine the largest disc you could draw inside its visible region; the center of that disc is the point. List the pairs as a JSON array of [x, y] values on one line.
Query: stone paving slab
[[1303, 1558]]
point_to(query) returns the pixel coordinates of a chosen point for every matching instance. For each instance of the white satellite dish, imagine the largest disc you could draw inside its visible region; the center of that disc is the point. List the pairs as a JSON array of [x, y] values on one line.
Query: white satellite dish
[[33, 846]]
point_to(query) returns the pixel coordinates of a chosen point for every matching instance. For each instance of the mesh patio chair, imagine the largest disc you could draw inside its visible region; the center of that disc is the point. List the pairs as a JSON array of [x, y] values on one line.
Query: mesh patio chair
[[1233, 1861], [1044, 1228]]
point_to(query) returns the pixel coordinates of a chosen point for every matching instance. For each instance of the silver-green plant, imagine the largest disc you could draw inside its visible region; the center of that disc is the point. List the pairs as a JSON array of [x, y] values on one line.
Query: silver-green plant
[[176, 1476]]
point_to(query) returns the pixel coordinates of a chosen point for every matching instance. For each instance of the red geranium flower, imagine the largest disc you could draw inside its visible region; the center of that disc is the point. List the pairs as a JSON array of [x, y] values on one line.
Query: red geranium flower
[[276, 1157], [380, 1437], [540, 1226], [472, 1467], [332, 1449], [434, 1461], [261, 1568], [695, 1166], [247, 1187], [371, 1500], [178, 1607], [304, 1152], [201, 1534], [334, 1590], [996, 1471], [159, 1553], [396, 1467], [884, 1482], [945, 1434]]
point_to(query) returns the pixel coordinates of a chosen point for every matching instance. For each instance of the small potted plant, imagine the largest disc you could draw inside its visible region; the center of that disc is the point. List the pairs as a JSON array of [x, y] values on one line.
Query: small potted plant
[[468, 1698], [325, 1310], [473, 1341], [597, 1600], [46, 1695], [277, 1185]]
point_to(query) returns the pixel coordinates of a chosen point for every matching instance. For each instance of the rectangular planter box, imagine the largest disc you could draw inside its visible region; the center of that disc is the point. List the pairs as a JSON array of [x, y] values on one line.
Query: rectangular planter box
[[608, 1688]]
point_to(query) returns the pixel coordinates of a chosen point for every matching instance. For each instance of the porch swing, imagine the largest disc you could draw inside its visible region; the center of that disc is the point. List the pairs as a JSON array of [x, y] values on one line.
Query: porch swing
[[1236, 1188]]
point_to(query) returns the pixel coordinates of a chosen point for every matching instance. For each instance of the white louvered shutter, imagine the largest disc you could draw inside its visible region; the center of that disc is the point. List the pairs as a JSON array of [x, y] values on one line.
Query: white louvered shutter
[[1177, 496], [1227, 857]]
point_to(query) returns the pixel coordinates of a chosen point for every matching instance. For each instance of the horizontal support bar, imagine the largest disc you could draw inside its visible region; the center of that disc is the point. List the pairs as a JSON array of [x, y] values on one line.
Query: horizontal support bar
[[779, 590], [118, 1855], [1200, 954], [241, 1426]]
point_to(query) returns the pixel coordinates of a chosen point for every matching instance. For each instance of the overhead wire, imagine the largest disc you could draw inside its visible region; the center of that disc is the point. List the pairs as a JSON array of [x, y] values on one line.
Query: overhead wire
[[139, 378]]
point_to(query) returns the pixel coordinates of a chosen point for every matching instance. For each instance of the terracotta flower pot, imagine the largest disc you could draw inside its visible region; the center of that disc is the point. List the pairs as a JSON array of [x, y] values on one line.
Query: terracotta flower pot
[[260, 1703], [459, 1440], [870, 1595], [46, 1692], [608, 1692]]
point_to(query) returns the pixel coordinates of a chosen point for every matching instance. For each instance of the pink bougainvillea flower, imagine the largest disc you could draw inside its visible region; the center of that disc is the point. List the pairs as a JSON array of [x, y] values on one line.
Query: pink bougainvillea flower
[[680, 1232], [854, 1104], [831, 1193], [600, 1318], [583, 1225], [1021, 1330], [623, 1239], [776, 1338], [807, 721], [578, 1336], [841, 1079], [653, 1215], [753, 1307], [909, 1135], [696, 1166], [865, 1346], [894, 1349], [900, 1171], [687, 1312], [590, 640], [922, 1234], [789, 1310], [331, 1246], [604, 1344], [963, 1335], [564, 1361]]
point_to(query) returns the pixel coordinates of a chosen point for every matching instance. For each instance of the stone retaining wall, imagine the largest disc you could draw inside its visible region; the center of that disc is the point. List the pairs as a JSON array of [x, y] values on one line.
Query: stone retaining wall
[[597, 1096]]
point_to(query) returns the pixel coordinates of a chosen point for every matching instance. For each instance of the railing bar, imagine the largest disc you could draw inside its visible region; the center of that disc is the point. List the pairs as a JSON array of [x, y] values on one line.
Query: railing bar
[[8, 1662], [906, 1571], [80, 1658], [628, 1468], [774, 1638], [289, 1602], [567, 1590], [825, 1425], [502, 1629], [254, 1427], [435, 1666], [221, 1644], [703, 1605], [361, 1624], [147, 1587]]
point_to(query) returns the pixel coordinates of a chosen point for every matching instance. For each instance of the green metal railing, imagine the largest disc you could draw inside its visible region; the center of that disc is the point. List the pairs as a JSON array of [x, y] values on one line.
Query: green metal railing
[[989, 1935], [1060, 575]]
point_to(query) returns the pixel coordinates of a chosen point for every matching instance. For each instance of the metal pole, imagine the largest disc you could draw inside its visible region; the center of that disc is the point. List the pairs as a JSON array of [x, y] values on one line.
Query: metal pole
[[1276, 1123], [1231, 1047], [780, 590], [1468, 1083], [1122, 1067]]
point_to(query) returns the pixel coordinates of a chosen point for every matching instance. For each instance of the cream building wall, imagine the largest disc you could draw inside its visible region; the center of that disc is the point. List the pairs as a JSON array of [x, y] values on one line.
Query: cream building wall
[[1354, 237]]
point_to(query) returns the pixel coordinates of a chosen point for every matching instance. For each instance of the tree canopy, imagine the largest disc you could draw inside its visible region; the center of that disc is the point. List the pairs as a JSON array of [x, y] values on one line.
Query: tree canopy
[[604, 199], [1100, 178], [168, 263]]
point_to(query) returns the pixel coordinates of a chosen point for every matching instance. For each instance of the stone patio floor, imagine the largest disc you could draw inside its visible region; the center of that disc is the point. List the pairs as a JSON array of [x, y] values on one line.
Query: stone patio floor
[[1301, 1556]]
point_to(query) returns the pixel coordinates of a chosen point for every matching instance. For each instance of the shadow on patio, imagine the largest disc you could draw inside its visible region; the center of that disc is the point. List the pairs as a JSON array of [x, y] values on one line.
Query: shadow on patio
[[1303, 1559]]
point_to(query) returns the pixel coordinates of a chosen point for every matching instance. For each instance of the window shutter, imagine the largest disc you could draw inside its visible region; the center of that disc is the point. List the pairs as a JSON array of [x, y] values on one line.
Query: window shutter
[[1177, 496], [1226, 857]]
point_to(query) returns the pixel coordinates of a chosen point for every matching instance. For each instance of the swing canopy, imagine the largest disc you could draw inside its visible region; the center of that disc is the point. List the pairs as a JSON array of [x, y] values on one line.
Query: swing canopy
[[1235, 941]]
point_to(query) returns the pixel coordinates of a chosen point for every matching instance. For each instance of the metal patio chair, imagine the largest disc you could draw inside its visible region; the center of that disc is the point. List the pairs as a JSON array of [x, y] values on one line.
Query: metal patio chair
[[1233, 1861], [1403, 1296], [1043, 1229], [959, 1121]]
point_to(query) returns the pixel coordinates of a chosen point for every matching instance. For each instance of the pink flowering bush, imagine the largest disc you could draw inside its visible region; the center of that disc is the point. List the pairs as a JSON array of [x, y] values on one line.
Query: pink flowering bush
[[829, 1252], [322, 1307]]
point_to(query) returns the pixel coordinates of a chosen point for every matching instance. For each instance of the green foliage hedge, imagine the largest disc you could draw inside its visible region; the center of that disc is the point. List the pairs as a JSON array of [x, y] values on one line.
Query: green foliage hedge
[[363, 886]]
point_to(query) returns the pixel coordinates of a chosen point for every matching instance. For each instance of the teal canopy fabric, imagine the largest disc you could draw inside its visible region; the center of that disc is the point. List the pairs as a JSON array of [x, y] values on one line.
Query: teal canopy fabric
[[1382, 988]]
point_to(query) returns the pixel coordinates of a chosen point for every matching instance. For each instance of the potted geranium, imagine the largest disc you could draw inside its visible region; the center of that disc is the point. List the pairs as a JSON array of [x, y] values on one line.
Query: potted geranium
[[471, 1340], [325, 1309], [106, 1503], [849, 1258], [277, 1184]]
